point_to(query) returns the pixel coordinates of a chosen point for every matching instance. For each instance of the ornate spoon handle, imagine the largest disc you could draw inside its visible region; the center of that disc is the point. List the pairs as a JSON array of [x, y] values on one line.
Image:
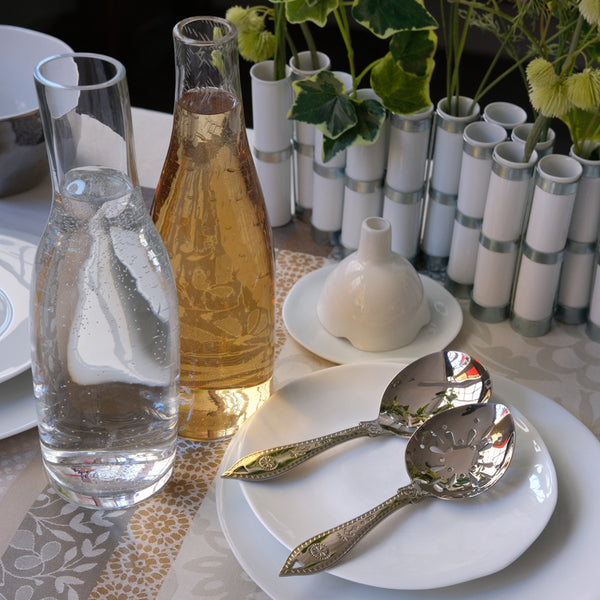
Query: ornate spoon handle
[[266, 464], [326, 549]]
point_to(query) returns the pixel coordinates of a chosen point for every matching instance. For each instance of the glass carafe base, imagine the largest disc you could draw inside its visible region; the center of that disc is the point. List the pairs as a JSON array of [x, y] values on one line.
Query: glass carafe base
[[96, 480], [207, 414]]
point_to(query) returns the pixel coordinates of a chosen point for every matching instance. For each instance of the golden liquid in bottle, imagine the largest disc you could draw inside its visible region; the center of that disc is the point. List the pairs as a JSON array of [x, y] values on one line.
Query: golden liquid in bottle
[[209, 211]]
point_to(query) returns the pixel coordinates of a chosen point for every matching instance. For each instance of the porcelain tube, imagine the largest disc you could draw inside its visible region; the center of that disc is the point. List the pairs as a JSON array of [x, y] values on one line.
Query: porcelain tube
[[578, 267], [501, 230], [479, 141], [593, 322], [443, 186], [304, 137], [551, 209], [271, 101]]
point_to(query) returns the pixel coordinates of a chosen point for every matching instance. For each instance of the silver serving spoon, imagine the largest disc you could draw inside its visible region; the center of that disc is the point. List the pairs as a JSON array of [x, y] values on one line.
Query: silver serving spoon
[[428, 386], [458, 454]]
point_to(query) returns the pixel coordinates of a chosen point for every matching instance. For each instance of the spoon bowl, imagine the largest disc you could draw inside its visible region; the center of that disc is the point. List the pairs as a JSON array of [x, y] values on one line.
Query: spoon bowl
[[458, 454], [426, 387]]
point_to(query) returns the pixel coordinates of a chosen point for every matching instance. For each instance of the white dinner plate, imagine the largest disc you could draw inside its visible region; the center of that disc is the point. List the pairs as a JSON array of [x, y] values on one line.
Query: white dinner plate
[[562, 562], [431, 544], [300, 317], [17, 255], [17, 405]]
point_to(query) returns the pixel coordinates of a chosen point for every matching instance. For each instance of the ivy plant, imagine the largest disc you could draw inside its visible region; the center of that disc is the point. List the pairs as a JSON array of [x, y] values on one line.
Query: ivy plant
[[401, 78]]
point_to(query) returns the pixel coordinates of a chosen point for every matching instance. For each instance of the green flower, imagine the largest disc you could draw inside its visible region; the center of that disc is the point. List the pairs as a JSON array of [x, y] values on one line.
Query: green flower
[[237, 15], [590, 9], [583, 89], [264, 47], [255, 42], [541, 74], [551, 101]]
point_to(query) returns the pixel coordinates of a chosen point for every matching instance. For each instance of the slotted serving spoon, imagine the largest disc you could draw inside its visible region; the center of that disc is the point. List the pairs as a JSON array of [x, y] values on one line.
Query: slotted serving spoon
[[428, 386], [460, 453]]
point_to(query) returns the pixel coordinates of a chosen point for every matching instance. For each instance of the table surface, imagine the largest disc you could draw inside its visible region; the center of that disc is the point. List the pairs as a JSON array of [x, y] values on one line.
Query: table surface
[[171, 546]]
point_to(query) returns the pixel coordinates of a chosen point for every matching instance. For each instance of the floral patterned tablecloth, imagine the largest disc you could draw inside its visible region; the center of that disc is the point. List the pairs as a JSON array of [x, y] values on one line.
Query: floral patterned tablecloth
[[171, 546]]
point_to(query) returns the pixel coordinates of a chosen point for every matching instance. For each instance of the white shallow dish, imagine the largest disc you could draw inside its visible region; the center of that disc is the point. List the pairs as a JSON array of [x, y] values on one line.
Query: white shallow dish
[[299, 313], [17, 405], [431, 544], [17, 255], [561, 563]]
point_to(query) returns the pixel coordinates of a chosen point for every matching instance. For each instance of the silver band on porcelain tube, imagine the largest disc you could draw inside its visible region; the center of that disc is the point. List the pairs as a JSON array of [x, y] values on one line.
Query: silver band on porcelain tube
[[590, 170], [512, 173], [489, 314], [363, 187], [458, 290], [404, 124], [528, 328], [502, 247], [325, 238], [558, 188], [480, 152], [442, 198], [329, 172], [593, 331], [402, 197], [580, 247], [468, 222], [571, 315], [543, 258], [304, 149], [435, 263], [451, 125], [273, 157]]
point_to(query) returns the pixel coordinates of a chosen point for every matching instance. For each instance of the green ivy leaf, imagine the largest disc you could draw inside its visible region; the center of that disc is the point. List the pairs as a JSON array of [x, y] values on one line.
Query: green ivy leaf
[[584, 129], [400, 91], [317, 11], [414, 50], [371, 115], [386, 17], [322, 101]]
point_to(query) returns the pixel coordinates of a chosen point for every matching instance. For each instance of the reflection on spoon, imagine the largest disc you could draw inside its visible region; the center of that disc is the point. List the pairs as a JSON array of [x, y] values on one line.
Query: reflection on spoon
[[458, 454], [428, 386]]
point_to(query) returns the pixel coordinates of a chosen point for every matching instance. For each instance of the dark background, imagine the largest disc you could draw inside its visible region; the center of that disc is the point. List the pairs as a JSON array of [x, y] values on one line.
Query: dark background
[[139, 35]]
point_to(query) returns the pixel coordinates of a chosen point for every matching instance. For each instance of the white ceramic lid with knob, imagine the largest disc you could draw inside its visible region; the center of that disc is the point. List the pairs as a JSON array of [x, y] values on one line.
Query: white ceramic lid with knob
[[374, 297]]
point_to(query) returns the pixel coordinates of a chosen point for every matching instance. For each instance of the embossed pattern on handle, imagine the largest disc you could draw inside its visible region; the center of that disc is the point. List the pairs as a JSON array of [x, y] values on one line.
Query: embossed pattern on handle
[[270, 463], [326, 549]]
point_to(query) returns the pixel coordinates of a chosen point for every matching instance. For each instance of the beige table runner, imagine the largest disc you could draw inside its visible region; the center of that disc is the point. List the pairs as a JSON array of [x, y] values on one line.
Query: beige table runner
[[62, 551], [58, 550]]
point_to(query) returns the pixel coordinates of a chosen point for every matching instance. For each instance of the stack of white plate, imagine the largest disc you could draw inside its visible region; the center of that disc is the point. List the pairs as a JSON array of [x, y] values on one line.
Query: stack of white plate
[[17, 408], [533, 534]]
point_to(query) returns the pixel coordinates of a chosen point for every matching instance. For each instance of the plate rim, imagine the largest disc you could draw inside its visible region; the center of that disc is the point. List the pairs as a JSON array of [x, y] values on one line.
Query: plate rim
[[555, 570], [29, 414], [360, 569], [317, 277], [31, 241]]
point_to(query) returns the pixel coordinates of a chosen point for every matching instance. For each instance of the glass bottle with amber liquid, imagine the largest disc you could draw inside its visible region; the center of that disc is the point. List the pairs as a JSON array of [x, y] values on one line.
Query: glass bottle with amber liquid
[[210, 212]]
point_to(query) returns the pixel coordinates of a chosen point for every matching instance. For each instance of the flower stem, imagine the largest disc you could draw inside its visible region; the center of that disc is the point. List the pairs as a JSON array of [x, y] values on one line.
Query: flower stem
[[280, 35], [572, 55], [540, 123], [310, 44], [365, 71], [342, 22]]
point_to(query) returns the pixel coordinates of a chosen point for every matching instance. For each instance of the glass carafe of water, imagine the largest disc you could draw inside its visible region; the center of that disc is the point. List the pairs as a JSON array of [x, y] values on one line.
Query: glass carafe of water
[[210, 211], [104, 314]]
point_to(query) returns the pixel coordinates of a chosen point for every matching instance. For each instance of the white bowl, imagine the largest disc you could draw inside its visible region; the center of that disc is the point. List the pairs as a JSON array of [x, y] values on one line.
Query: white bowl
[[374, 297], [23, 159]]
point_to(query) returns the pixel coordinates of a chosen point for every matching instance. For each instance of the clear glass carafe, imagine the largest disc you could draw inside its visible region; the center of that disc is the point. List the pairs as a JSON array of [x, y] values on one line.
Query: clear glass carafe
[[210, 211], [104, 313]]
